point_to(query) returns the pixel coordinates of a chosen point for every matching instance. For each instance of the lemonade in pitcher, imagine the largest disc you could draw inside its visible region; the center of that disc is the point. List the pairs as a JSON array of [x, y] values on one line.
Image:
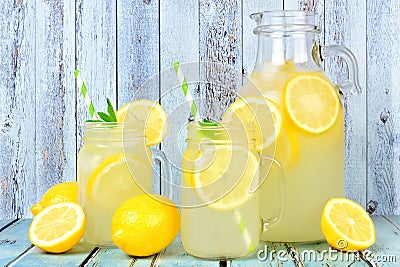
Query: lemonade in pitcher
[[305, 108]]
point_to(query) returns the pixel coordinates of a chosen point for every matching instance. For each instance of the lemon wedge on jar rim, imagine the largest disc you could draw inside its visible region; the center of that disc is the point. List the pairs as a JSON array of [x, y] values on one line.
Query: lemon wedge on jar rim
[[152, 113]]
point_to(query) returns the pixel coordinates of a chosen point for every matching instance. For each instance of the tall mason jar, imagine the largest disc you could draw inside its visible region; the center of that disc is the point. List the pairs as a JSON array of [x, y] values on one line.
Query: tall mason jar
[[114, 164]]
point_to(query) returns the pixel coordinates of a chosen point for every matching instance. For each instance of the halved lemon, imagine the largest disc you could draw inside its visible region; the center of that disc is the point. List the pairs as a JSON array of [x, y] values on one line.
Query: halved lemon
[[260, 111], [152, 113], [311, 102], [58, 227], [222, 178], [346, 225], [116, 179]]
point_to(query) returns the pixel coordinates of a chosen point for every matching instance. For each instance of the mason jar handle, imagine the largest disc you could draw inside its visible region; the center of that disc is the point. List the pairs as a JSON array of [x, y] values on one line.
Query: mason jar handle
[[166, 172], [277, 214], [352, 83]]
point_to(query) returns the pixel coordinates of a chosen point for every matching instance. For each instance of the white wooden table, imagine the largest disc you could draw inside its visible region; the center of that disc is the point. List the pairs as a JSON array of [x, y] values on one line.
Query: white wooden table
[[16, 250]]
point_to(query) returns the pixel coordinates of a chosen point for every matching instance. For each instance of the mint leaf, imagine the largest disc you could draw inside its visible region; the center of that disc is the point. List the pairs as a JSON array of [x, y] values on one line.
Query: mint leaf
[[207, 123], [104, 116], [111, 111], [94, 121]]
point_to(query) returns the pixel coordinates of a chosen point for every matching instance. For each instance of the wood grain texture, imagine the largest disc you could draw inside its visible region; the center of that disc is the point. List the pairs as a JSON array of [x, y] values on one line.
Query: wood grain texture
[[14, 241], [249, 38], [95, 55], [17, 108], [346, 25], [137, 49], [138, 55], [55, 94], [220, 43], [382, 106], [15, 248], [177, 43]]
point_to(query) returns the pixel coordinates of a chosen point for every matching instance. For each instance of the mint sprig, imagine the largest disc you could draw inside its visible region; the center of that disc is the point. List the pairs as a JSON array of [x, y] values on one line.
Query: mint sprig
[[106, 117]]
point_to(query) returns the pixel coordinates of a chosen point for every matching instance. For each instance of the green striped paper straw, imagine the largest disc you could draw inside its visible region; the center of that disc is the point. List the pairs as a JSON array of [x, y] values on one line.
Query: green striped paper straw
[[83, 89], [186, 91], [192, 105]]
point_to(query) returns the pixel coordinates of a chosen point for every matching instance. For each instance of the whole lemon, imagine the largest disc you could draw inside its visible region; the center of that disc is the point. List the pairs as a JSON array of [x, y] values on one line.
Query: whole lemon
[[145, 224], [59, 193]]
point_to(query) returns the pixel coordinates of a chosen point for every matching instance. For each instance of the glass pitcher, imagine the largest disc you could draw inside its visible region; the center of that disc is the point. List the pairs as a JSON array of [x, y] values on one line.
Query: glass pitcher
[[310, 135], [221, 170]]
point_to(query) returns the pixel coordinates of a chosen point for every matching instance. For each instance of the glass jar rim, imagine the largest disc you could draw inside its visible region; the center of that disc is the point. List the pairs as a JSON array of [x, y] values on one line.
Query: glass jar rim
[[221, 134], [114, 130]]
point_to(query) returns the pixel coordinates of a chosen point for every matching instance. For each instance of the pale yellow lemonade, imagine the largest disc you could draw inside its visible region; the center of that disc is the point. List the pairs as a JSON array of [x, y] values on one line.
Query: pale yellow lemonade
[[114, 165], [311, 154], [220, 218]]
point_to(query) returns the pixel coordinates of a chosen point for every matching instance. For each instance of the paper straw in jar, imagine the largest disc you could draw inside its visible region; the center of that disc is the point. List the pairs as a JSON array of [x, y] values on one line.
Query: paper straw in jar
[[186, 91], [82, 86]]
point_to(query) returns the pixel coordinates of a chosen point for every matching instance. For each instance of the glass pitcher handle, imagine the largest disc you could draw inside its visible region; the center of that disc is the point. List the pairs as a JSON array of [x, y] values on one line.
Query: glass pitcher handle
[[166, 172], [352, 83], [280, 189]]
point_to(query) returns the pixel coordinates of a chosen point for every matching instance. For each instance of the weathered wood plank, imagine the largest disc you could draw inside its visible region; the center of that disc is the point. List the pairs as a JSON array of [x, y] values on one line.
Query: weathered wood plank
[[177, 43], [37, 257], [250, 41], [382, 106], [137, 50], [394, 220], [5, 223], [14, 241], [55, 95], [387, 243], [345, 24], [175, 255], [17, 108], [95, 55], [220, 42], [138, 55], [116, 257]]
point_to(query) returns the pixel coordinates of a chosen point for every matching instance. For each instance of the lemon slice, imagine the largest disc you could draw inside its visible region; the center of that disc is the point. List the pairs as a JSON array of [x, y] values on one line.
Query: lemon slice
[[156, 120], [58, 227], [262, 112], [222, 178], [312, 102], [112, 182], [346, 225]]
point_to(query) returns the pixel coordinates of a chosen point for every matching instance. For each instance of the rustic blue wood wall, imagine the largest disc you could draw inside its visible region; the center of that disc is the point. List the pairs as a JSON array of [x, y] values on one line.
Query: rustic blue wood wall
[[118, 45]]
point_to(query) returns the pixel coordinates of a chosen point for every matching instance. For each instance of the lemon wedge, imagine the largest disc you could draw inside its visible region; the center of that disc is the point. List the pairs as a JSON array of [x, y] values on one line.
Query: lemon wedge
[[346, 225], [58, 227]]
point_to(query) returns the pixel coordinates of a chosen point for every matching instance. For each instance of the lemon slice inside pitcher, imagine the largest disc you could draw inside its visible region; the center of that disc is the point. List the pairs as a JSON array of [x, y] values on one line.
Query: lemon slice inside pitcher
[[311, 102], [262, 112]]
